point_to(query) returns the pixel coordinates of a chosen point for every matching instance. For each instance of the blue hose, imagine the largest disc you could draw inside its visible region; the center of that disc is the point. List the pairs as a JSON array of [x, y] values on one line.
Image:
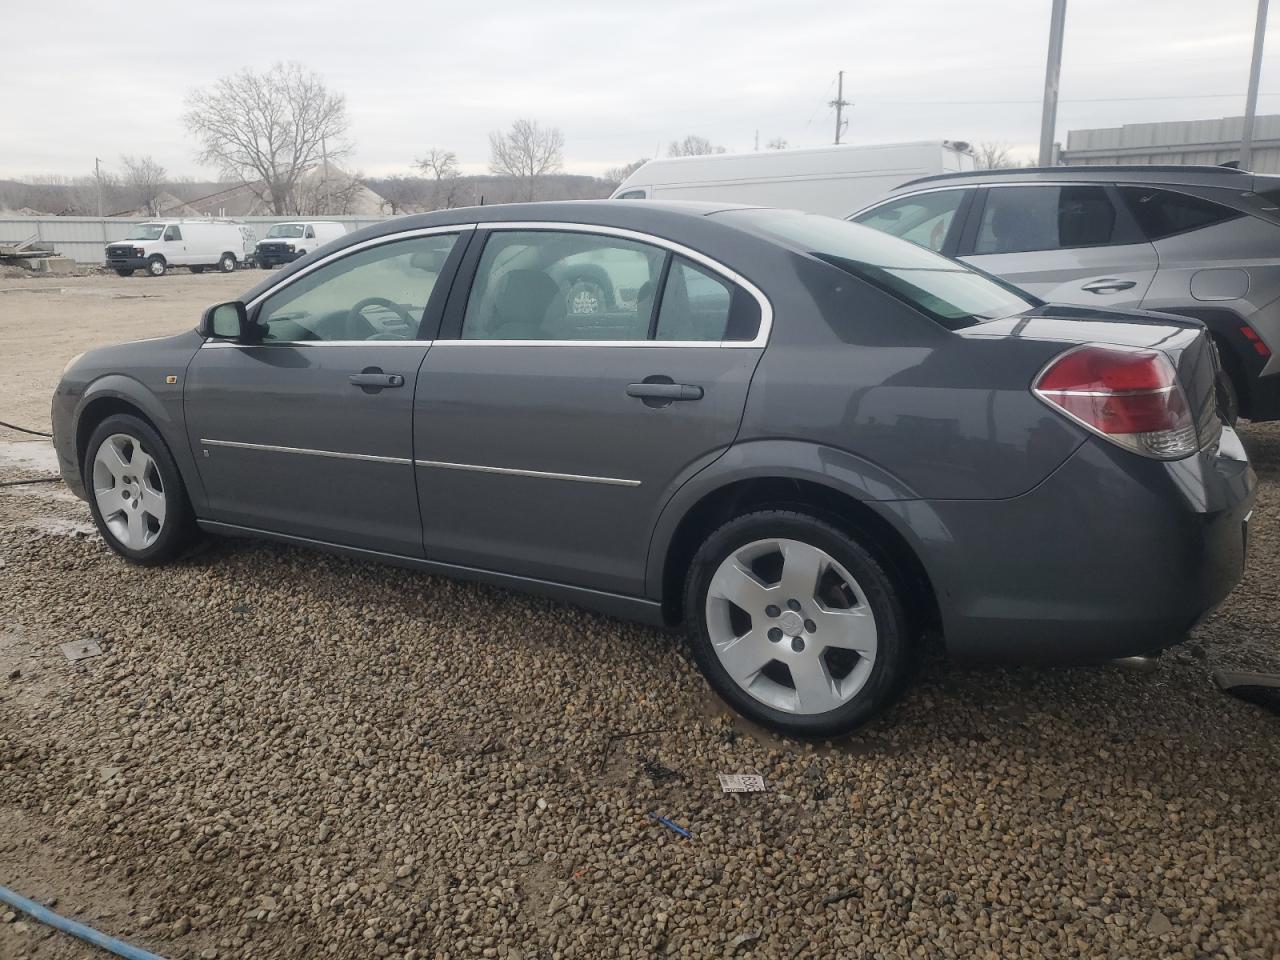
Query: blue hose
[[87, 934]]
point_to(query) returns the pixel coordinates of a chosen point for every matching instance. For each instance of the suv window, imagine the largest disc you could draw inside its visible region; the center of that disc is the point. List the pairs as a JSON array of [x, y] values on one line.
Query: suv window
[[924, 218], [561, 285], [952, 294], [631, 195], [1019, 219], [379, 293], [1162, 213], [172, 233], [695, 304]]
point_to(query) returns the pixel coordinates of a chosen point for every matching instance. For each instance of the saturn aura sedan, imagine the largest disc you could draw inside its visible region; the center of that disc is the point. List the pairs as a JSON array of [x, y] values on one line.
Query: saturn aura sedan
[[802, 439]]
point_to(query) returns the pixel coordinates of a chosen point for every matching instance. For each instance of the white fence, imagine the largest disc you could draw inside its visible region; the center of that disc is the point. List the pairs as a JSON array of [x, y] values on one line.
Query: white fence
[[84, 239]]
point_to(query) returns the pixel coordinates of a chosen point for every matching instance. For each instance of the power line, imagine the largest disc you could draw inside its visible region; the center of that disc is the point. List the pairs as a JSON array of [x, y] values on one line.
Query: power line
[[959, 103]]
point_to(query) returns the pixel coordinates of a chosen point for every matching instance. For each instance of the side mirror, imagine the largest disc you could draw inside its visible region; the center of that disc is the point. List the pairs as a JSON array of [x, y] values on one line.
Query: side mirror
[[225, 321]]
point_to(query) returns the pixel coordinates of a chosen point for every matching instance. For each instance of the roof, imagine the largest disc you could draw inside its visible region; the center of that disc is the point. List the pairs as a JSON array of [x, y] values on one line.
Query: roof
[[1133, 173]]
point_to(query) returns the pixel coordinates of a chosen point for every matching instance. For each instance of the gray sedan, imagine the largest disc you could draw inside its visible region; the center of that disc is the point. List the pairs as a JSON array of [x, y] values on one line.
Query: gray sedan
[[806, 441]]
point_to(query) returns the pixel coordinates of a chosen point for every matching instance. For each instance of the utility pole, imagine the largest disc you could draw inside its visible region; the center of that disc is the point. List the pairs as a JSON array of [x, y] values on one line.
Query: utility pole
[[839, 103], [1049, 115], [324, 150], [97, 176], [1251, 100], [757, 139]]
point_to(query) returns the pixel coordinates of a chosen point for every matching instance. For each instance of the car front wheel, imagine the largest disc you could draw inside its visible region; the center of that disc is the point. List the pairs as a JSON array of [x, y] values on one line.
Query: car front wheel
[[157, 267], [136, 494], [227, 264], [796, 624]]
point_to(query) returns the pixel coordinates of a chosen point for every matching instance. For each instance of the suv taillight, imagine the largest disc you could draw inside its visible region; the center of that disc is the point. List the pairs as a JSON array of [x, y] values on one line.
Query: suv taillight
[[1129, 396]]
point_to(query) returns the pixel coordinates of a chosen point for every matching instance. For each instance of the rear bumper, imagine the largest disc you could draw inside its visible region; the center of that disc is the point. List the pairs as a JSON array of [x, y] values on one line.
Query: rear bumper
[[1111, 556]]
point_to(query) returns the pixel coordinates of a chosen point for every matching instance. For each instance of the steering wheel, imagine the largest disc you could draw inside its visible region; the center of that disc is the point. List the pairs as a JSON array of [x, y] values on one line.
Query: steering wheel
[[359, 328]]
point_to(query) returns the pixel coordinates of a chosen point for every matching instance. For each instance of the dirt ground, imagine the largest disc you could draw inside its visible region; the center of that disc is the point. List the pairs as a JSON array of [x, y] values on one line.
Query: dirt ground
[[45, 321], [286, 754]]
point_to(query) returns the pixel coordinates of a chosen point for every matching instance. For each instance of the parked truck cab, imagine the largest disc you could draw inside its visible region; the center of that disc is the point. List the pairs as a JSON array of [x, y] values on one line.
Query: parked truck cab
[[286, 242], [157, 245]]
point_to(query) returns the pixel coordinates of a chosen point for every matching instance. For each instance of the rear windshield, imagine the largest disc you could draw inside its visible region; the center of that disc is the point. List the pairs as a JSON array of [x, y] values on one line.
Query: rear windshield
[[951, 293], [285, 230]]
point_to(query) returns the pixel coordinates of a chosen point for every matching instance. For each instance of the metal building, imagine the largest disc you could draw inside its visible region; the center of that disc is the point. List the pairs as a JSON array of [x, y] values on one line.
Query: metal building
[[1185, 141]]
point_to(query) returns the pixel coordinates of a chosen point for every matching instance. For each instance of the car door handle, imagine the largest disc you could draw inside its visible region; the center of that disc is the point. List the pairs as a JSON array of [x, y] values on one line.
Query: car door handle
[[376, 380], [1109, 285], [664, 391]]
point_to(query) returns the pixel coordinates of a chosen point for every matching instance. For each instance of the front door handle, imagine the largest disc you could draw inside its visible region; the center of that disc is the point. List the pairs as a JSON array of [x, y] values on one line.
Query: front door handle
[[378, 380], [664, 391], [1109, 285]]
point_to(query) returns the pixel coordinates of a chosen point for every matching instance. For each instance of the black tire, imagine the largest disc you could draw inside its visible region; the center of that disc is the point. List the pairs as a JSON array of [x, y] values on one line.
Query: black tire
[[178, 531], [890, 667], [197, 268], [227, 263], [156, 267], [123, 272]]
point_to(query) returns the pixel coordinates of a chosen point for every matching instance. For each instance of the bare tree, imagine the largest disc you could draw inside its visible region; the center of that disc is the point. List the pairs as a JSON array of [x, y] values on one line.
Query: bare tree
[[266, 129], [401, 194], [992, 156], [325, 191], [144, 181], [692, 146], [777, 143], [442, 167], [526, 152], [618, 174]]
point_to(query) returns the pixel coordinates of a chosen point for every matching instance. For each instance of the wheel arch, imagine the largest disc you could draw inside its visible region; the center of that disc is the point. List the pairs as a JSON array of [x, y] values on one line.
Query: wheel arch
[[841, 498], [117, 393]]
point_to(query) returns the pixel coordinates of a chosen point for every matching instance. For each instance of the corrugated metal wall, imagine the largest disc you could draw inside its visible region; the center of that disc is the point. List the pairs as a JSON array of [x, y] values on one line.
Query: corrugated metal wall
[[1188, 141], [84, 239]]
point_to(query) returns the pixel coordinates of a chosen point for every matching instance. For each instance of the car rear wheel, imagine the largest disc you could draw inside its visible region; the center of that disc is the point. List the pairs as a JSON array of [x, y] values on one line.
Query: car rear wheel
[[156, 266], [227, 263], [136, 494], [796, 624]]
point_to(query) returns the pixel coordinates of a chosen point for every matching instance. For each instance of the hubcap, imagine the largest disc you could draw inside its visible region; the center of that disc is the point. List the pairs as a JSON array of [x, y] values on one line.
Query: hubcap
[[128, 491], [791, 626]]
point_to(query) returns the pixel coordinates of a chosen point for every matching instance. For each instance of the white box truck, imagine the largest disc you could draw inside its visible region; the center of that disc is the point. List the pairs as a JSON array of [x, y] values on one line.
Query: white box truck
[[835, 181], [157, 245], [286, 242]]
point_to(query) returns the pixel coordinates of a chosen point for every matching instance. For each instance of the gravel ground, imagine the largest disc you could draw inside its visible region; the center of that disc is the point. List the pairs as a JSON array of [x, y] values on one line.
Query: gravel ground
[[286, 754]]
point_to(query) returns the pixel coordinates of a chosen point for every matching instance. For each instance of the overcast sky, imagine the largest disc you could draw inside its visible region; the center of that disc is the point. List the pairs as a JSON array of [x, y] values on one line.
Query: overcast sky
[[620, 79]]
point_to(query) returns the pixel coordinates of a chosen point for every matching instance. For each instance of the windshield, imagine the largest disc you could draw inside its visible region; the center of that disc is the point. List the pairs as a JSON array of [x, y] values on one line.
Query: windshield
[[146, 231], [285, 230], [951, 293]]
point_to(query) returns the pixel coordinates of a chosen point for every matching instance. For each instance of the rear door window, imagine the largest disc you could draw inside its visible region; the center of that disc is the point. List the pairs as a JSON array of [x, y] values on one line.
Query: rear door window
[[1163, 213], [1021, 219], [695, 304], [924, 219]]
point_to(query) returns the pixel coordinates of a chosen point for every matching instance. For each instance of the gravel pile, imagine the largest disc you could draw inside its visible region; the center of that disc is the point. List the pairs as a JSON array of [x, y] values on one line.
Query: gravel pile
[[283, 754]]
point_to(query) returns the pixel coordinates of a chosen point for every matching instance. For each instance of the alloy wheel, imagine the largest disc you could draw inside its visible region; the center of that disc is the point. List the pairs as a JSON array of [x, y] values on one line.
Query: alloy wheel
[[129, 492], [791, 626]]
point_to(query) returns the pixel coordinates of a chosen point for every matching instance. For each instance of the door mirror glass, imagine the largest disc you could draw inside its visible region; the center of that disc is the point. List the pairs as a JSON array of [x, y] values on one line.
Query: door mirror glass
[[225, 321]]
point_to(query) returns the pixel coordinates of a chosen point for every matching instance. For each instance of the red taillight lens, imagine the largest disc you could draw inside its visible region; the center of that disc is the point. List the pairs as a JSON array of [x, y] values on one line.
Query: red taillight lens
[[1131, 397]]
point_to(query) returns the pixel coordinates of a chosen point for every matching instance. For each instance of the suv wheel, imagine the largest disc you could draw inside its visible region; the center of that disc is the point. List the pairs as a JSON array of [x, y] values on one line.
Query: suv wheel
[[795, 624], [156, 266], [227, 263], [136, 494]]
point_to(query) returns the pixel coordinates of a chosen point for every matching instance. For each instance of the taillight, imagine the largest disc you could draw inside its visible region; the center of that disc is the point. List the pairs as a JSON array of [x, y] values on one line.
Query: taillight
[[1130, 396], [1260, 348]]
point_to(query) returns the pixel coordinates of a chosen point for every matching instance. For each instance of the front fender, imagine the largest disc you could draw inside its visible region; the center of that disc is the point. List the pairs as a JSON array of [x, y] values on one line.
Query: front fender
[[838, 470], [163, 407]]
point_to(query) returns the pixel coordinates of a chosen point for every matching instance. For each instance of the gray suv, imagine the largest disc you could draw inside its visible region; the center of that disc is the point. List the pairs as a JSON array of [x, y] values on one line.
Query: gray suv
[[804, 440], [1202, 242]]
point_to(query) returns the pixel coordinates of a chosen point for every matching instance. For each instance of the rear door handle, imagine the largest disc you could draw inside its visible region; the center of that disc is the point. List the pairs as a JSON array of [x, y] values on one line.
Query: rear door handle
[[376, 380], [1109, 285], [664, 391]]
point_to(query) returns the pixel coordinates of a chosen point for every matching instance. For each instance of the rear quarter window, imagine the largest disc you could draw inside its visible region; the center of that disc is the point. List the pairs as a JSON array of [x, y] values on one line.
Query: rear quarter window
[[1164, 213]]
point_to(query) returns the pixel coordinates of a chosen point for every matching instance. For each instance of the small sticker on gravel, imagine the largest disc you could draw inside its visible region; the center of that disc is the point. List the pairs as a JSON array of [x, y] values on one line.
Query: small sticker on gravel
[[741, 783], [80, 650]]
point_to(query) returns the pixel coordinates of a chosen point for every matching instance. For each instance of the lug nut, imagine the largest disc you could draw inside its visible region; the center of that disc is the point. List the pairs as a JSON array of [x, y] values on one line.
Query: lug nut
[[811, 626], [775, 634], [794, 605], [771, 611], [797, 644]]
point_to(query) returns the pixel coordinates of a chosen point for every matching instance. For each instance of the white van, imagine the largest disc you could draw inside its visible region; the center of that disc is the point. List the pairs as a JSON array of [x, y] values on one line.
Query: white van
[[835, 181], [286, 242], [157, 245]]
